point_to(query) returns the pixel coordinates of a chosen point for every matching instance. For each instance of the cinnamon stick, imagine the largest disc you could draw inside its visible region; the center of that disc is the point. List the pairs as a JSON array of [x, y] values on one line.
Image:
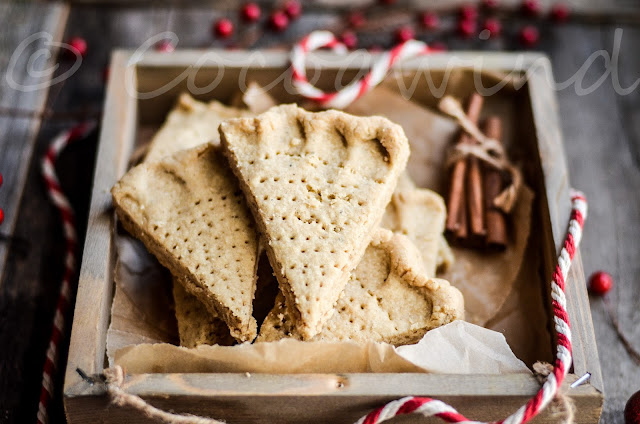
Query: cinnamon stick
[[475, 202], [493, 185], [456, 225]]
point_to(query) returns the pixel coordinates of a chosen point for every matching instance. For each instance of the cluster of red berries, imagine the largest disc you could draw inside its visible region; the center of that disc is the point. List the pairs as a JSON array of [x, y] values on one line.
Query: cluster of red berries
[[492, 28], [251, 12], [467, 23]]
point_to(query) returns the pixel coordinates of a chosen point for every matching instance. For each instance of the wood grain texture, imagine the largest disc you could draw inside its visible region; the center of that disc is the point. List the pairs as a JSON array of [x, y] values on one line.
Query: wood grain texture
[[95, 283], [23, 85], [602, 140], [23, 284], [321, 398]]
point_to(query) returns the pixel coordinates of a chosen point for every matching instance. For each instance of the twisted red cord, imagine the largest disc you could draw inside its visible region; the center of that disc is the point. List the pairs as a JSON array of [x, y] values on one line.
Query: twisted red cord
[[67, 216]]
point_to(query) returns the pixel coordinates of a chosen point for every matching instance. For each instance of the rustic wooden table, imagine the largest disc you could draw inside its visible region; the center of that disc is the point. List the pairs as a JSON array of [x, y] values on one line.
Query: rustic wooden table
[[596, 68]]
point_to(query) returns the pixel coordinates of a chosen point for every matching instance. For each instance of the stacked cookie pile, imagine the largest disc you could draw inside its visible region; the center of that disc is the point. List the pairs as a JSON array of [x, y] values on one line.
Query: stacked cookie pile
[[352, 243]]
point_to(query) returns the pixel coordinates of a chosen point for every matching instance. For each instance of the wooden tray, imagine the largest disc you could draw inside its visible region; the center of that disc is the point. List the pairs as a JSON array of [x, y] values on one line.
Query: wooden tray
[[319, 398]]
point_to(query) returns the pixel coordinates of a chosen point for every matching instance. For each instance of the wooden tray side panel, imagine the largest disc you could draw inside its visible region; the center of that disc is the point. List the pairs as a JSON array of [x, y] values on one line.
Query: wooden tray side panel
[[95, 285], [556, 213], [316, 398]]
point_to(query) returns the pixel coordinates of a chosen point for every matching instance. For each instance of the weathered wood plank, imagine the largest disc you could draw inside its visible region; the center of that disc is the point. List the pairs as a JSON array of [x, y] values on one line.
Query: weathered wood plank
[[24, 84], [22, 87], [319, 398], [602, 142]]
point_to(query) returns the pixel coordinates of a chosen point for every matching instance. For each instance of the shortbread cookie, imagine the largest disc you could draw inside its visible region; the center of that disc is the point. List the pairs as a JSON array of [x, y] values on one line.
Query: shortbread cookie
[[190, 124], [444, 258], [189, 212], [255, 99], [389, 298], [317, 184], [420, 215], [196, 324]]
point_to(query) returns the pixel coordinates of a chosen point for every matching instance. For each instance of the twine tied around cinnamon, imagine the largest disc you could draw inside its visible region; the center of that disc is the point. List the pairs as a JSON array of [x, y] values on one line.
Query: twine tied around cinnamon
[[114, 384], [486, 149]]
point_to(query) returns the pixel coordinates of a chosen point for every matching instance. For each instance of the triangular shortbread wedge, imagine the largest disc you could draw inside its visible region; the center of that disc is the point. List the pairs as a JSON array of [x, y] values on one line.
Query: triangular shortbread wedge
[[196, 324], [317, 184], [190, 213], [420, 215], [192, 123], [189, 124], [389, 299]]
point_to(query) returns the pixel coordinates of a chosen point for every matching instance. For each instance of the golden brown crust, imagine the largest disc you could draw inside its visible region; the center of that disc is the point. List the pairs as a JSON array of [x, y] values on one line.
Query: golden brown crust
[[189, 213], [317, 184], [190, 123], [420, 215]]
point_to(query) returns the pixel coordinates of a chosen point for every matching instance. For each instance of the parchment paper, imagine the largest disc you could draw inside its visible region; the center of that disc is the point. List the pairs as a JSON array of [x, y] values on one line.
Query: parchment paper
[[142, 311]]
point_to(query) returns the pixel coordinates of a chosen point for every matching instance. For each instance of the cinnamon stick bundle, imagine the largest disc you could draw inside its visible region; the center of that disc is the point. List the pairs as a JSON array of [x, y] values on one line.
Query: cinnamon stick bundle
[[456, 225]]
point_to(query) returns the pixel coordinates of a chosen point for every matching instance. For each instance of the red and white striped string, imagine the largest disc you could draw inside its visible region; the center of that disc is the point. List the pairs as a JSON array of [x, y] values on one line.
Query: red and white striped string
[[431, 407], [421, 405], [341, 99], [61, 203]]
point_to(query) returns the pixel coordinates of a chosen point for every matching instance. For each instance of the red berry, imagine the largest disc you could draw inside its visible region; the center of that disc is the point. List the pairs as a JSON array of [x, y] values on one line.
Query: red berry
[[356, 19], [164, 46], [468, 12], [438, 46], [490, 4], [223, 28], [531, 7], [278, 21], [105, 73], [78, 46], [529, 36], [560, 12], [1, 215], [492, 26], [0, 180], [293, 9], [466, 28], [632, 409], [349, 39], [429, 20], [250, 12], [600, 283], [403, 34], [387, 2]]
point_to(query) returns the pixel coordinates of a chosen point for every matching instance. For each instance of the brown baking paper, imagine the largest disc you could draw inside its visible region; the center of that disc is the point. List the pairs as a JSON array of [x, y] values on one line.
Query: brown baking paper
[[142, 333]]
